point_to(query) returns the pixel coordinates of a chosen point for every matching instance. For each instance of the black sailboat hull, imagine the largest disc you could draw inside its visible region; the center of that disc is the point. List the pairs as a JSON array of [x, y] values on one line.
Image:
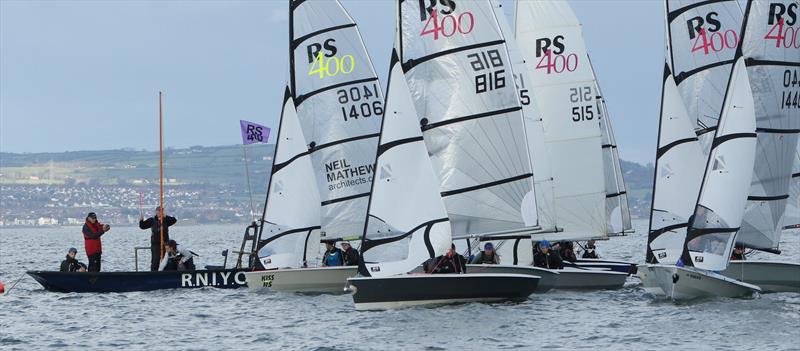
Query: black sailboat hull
[[435, 289], [100, 282]]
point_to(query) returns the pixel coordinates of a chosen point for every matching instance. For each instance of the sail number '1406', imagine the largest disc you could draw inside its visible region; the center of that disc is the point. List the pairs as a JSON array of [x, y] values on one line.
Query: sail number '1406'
[[582, 95], [356, 102]]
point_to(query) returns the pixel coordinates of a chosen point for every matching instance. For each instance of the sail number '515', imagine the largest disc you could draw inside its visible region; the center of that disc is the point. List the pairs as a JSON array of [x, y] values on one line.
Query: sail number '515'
[[582, 96]]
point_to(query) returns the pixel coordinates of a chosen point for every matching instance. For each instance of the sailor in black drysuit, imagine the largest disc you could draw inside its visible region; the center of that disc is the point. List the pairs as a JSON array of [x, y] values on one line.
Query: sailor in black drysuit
[[155, 235], [546, 259], [176, 259], [71, 264], [351, 256], [450, 262]]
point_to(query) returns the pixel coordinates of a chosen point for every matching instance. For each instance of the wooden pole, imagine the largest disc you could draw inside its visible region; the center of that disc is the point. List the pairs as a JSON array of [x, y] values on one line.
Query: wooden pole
[[161, 170]]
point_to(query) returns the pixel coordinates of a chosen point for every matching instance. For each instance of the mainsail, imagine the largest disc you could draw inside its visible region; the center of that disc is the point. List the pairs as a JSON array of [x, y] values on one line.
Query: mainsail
[[291, 212], [457, 67], [563, 82], [728, 172], [678, 173], [702, 39], [618, 213], [773, 66], [340, 106], [407, 221]]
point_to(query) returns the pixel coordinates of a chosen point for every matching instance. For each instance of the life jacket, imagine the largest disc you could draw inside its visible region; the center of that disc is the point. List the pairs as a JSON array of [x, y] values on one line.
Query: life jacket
[[333, 258], [93, 246]]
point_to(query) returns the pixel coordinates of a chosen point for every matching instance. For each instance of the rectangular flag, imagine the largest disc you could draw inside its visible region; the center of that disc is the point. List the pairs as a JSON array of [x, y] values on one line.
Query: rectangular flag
[[253, 132]]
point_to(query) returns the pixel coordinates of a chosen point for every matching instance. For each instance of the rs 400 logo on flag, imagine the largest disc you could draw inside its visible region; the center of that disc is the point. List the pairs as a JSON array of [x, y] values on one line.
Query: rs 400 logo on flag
[[253, 132]]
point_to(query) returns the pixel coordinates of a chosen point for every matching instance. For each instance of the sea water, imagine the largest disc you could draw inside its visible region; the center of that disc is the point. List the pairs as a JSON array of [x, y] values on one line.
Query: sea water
[[210, 319]]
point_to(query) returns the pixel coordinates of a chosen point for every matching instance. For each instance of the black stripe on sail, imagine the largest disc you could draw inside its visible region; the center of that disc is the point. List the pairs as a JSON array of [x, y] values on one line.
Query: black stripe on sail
[[278, 166], [684, 75], [408, 65], [693, 233], [700, 132], [486, 185], [385, 147], [768, 198], [342, 141], [730, 137], [616, 194], [795, 175], [467, 118], [264, 242], [516, 246], [662, 150], [777, 131], [344, 198], [753, 62], [656, 233], [605, 146], [301, 98], [295, 4], [300, 40], [368, 243], [674, 14]]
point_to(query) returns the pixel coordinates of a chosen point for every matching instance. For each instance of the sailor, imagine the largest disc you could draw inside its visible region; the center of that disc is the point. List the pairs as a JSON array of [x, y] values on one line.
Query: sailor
[[591, 250], [71, 264], [546, 259], [738, 253], [333, 255], [450, 262], [92, 231], [350, 254], [154, 224], [567, 251], [487, 256], [176, 259]]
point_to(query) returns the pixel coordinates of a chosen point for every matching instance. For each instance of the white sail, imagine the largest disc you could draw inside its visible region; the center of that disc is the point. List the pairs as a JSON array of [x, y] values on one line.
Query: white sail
[[702, 39], [456, 64], [729, 169], [290, 235], [552, 44], [534, 126], [618, 213], [792, 217], [407, 221], [774, 71], [340, 106], [678, 173]]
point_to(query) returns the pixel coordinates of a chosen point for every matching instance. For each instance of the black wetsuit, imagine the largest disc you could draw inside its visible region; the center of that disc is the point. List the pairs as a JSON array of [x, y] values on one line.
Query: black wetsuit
[[444, 264], [155, 238], [71, 265], [548, 260], [351, 257]]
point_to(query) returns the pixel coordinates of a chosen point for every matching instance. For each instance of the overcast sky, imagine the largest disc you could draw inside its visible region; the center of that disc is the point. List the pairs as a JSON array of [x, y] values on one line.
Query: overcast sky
[[85, 75]]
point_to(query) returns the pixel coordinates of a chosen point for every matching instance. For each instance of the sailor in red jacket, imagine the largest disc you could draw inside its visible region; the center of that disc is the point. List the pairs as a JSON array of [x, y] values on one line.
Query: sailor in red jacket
[[92, 231]]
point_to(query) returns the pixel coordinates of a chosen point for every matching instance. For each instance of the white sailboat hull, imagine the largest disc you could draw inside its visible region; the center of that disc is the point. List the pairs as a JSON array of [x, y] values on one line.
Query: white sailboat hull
[[686, 283], [308, 280], [770, 276], [589, 279]]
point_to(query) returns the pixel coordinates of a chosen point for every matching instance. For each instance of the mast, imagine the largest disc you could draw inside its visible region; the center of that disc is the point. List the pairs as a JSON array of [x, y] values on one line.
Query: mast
[[161, 169]]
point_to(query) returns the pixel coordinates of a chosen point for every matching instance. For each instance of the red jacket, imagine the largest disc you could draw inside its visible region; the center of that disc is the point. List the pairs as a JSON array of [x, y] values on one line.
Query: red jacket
[[91, 237]]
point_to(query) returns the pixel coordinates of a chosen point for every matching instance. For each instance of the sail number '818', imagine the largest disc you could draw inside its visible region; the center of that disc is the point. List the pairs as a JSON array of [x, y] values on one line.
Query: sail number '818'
[[356, 102], [325, 63], [488, 60], [582, 96], [790, 99], [444, 22]]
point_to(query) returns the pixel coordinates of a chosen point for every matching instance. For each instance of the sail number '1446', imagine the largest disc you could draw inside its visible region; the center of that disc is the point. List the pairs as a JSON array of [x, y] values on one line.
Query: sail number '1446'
[[356, 102], [790, 99], [582, 95]]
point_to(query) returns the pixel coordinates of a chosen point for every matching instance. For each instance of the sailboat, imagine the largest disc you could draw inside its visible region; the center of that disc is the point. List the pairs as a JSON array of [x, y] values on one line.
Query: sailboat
[[692, 232], [325, 154], [396, 242], [771, 67]]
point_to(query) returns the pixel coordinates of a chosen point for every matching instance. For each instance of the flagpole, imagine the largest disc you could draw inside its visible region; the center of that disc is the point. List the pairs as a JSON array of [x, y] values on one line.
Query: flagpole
[[161, 169], [247, 176]]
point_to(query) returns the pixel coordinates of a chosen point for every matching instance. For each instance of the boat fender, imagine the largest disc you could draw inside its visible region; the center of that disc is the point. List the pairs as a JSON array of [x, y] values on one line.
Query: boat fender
[[2, 288], [675, 278]]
